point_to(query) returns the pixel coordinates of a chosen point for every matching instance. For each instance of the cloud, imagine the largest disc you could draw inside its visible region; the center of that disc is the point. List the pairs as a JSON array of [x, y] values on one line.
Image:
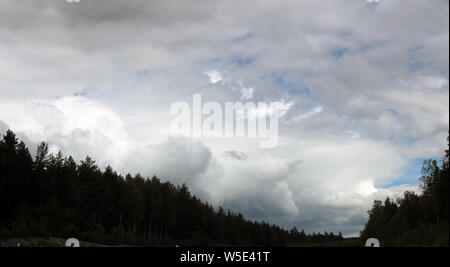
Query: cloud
[[363, 90], [75, 125], [214, 76], [3, 127], [180, 159], [247, 93], [306, 115], [236, 154]]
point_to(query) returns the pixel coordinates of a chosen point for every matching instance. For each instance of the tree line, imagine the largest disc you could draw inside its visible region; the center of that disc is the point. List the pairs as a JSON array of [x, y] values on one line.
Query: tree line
[[52, 195], [415, 220]]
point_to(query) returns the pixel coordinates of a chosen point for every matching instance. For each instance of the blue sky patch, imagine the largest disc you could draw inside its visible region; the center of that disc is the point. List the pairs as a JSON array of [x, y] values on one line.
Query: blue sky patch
[[415, 55], [368, 46], [84, 92], [340, 52], [411, 174], [241, 61], [391, 110]]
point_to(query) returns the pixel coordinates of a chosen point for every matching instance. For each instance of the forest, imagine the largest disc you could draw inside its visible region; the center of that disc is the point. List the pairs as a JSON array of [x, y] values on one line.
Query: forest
[[415, 220], [52, 196]]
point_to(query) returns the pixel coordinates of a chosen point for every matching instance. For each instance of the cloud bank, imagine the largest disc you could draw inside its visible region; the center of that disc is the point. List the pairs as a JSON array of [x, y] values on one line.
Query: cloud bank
[[364, 89]]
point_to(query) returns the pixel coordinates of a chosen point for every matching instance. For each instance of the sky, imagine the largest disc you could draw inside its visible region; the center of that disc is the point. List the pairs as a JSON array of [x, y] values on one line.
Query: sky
[[364, 89]]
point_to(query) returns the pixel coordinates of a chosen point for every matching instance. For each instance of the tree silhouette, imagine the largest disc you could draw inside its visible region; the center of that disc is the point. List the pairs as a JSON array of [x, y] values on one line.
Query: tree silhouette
[[52, 195], [415, 220]]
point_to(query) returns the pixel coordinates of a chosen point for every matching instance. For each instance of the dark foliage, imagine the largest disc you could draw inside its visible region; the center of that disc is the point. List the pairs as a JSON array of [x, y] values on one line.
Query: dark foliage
[[54, 196], [415, 220]]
